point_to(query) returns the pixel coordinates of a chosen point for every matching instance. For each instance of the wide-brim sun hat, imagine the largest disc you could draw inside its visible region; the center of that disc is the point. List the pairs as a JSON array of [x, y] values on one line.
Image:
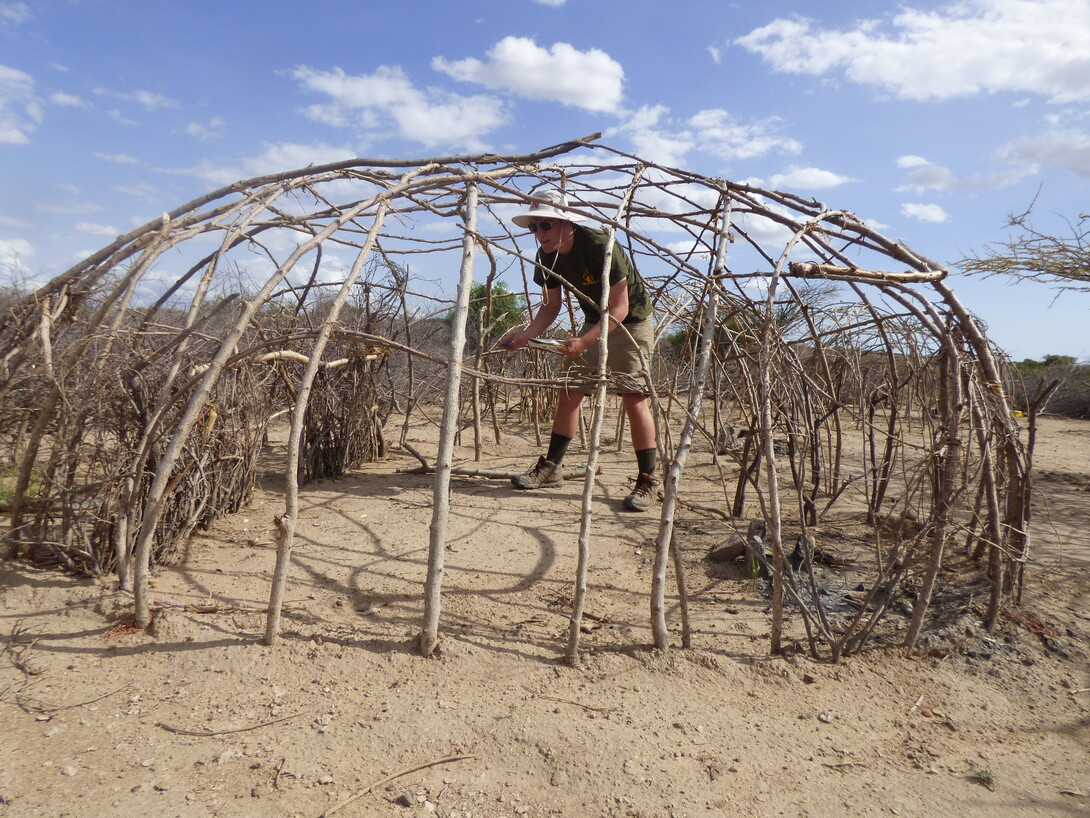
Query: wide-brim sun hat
[[549, 204]]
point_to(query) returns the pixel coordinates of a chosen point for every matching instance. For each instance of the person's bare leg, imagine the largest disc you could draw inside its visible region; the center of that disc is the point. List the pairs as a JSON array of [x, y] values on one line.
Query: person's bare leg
[[640, 421], [566, 419]]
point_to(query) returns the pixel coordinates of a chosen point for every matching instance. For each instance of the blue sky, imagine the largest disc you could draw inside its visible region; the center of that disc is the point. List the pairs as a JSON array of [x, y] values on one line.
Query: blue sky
[[932, 120]]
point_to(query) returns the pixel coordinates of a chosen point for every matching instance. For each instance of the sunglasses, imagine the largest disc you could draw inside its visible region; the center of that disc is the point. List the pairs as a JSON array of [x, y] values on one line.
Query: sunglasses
[[544, 225]]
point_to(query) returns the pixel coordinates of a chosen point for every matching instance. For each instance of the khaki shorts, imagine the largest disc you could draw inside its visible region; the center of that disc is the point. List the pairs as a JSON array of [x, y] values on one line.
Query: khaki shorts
[[626, 342]]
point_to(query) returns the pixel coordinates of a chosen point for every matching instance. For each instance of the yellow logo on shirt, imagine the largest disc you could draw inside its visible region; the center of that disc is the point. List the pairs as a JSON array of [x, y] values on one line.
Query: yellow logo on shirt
[[589, 278]]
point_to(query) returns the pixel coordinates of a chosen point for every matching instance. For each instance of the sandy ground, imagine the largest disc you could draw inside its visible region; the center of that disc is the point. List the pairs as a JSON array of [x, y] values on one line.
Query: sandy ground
[[198, 718]]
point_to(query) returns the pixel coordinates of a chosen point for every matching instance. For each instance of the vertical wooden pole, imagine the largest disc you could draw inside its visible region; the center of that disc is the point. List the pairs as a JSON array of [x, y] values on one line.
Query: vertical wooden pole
[[286, 525], [665, 540], [580, 593], [946, 462], [429, 633]]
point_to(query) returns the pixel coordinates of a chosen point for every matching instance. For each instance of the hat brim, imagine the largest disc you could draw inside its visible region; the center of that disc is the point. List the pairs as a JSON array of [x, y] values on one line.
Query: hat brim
[[524, 219]]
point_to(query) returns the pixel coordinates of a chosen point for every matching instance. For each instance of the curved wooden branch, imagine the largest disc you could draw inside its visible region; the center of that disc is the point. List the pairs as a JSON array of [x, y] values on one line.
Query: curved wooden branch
[[834, 272]]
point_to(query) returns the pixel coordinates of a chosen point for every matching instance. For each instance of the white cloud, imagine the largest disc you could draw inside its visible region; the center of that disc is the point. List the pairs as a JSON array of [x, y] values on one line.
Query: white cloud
[[657, 137], [144, 191], [208, 131], [20, 111], [924, 212], [554, 3], [661, 147], [13, 252], [68, 100], [12, 14], [586, 79], [964, 48], [387, 100], [654, 140], [13, 223], [911, 161], [646, 117], [117, 116], [1068, 149], [722, 135], [274, 159], [149, 100], [69, 208], [97, 229], [716, 54], [925, 175], [796, 178], [118, 158]]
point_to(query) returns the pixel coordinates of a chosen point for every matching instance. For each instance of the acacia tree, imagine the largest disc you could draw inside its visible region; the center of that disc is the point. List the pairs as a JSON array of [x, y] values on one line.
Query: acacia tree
[[1061, 261]]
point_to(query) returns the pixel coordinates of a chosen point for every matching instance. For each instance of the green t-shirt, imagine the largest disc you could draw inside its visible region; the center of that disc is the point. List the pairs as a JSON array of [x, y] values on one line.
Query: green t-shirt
[[581, 272]]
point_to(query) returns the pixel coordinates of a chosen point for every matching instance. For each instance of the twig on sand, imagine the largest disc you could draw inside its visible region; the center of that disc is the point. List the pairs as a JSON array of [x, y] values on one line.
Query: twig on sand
[[45, 707], [491, 474], [494, 474], [577, 704], [210, 609], [841, 766], [465, 471], [389, 778], [706, 509], [181, 731]]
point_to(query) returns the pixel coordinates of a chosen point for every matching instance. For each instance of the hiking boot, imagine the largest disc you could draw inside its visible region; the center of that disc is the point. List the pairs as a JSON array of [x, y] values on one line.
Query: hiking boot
[[642, 495], [541, 475]]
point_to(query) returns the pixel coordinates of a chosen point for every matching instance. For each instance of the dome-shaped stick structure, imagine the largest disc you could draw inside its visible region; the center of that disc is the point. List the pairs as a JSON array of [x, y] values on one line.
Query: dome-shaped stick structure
[[137, 388]]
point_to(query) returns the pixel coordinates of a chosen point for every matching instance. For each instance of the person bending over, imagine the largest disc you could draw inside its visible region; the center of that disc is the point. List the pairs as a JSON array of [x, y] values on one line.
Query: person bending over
[[573, 256]]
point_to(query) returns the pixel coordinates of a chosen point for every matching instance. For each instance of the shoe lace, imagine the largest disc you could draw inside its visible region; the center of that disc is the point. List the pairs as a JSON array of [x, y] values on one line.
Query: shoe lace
[[645, 484]]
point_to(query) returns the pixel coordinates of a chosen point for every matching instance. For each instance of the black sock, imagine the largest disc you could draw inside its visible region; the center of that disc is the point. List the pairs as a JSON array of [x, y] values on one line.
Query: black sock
[[558, 447], [646, 459]]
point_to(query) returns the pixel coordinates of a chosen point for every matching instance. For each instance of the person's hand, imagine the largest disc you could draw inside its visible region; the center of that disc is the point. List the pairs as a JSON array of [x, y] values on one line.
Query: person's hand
[[575, 346], [512, 341]]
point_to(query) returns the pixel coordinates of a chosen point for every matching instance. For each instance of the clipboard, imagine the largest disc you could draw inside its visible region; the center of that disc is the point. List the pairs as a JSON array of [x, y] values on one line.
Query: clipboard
[[549, 344]]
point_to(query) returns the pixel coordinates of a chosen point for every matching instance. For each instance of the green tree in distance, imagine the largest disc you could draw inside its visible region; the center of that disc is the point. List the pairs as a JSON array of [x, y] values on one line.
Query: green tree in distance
[[493, 316]]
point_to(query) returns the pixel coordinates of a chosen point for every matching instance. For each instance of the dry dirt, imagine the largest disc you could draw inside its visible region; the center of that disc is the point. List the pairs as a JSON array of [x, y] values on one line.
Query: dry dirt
[[198, 718]]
